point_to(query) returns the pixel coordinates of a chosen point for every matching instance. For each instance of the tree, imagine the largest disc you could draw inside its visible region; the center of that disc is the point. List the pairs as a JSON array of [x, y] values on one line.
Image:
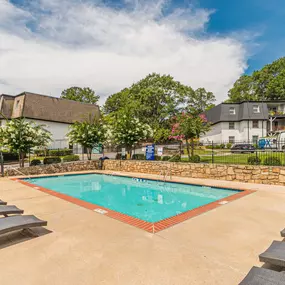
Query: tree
[[20, 135], [84, 95], [88, 134], [154, 99], [265, 84], [188, 127], [199, 101], [127, 130]]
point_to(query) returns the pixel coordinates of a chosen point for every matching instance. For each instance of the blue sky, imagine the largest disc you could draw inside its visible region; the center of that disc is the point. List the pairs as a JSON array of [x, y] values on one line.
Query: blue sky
[[50, 45], [266, 18]]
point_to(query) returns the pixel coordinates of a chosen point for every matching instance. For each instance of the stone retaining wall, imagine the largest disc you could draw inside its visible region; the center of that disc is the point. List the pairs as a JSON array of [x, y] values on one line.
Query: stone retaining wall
[[54, 168], [243, 173]]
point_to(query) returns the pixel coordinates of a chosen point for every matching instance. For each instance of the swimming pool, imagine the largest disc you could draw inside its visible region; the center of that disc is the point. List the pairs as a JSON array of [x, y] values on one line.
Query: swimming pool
[[147, 200]]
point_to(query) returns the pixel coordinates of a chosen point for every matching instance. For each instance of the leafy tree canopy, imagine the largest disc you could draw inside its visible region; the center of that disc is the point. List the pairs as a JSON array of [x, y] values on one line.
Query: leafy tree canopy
[[265, 84], [88, 134], [155, 99], [84, 95]]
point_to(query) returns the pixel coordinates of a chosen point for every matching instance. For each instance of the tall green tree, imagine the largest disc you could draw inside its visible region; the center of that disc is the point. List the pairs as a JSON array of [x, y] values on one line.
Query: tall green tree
[[199, 101], [267, 83], [155, 99], [84, 95]]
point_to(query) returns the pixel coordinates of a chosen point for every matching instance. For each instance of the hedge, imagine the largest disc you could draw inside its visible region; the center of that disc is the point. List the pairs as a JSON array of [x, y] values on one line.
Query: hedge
[[272, 160], [53, 152], [10, 156], [138, 156], [68, 158], [195, 159], [253, 160], [35, 162], [51, 160]]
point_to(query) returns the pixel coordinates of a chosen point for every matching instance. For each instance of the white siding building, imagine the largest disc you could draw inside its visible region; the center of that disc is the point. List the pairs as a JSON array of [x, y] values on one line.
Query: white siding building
[[54, 113], [244, 122]]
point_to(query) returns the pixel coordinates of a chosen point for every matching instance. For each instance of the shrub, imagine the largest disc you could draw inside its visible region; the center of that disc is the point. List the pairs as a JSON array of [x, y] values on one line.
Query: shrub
[[229, 145], [10, 156], [72, 157], [253, 160], [175, 158], [166, 158], [51, 160], [119, 156], [157, 157], [272, 160], [222, 145], [35, 162], [60, 152], [40, 152], [138, 156], [195, 159]]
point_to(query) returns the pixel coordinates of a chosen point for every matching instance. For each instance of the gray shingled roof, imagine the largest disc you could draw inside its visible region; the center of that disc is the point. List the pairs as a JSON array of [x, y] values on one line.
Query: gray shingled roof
[[243, 111], [48, 108]]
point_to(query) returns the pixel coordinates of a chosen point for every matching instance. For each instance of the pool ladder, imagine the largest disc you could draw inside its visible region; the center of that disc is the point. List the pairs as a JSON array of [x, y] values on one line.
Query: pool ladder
[[166, 172]]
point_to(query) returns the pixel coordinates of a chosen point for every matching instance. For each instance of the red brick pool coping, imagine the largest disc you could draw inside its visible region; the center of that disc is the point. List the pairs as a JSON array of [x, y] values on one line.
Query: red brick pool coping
[[147, 226]]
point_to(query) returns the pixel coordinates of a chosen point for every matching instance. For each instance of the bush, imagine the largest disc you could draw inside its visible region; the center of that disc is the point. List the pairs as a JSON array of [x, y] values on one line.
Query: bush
[[157, 157], [229, 145], [139, 156], [51, 160], [119, 156], [35, 162], [195, 159], [40, 152], [222, 145], [10, 156], [166, 158], [60, 152], [175, 158], [253, 160], [72, 157], [272, 160]]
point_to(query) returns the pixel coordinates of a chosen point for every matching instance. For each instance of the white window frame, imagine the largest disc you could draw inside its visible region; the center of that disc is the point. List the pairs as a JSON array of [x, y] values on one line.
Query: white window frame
[[232, 110], [232, 139], [233, 126], [256, 109], [257, 124]]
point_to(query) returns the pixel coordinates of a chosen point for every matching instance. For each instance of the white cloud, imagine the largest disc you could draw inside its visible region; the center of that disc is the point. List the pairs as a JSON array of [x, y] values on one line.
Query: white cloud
[[50, 45]]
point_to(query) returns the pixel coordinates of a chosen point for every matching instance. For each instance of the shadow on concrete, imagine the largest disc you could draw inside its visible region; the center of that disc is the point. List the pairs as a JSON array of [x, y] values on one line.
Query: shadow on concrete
[[16, 237]]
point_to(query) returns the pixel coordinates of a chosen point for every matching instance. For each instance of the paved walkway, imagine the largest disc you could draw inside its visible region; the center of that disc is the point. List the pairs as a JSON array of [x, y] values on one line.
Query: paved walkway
[[84, 247]]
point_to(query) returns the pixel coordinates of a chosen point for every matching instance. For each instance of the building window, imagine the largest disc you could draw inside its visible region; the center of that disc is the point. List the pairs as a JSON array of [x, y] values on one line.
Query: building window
[[254, 139], [231, 139], [232, 110], [256, 109], [255, 124], [231, 125], [17, 103]]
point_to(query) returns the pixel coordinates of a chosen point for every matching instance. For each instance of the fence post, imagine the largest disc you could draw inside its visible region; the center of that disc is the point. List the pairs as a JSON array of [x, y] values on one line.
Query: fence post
[[2, 164], [256, 160], [212, 151]]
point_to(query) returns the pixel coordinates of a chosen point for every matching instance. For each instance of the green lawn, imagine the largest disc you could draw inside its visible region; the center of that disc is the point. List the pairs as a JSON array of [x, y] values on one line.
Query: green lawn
[[225, 157]]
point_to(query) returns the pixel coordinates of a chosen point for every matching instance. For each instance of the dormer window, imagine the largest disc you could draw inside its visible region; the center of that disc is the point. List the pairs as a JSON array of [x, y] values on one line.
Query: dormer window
[[256, 109], [232, 110]]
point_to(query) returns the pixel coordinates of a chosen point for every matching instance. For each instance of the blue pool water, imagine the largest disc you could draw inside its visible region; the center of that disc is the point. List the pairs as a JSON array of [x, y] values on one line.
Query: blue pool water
[[147, 200]]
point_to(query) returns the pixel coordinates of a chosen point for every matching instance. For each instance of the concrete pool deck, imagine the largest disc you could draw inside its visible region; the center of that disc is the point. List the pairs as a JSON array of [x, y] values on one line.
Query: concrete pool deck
[[84, 247]]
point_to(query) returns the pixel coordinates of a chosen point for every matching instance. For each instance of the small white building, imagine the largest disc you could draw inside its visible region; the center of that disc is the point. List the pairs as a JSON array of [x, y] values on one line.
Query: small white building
[[237, 122], [54, 113]]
